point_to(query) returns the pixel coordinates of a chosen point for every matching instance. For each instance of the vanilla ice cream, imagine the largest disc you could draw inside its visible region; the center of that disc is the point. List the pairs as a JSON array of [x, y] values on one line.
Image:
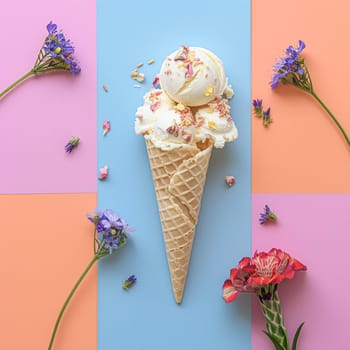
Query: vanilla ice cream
[[166, 123], [193, 76]]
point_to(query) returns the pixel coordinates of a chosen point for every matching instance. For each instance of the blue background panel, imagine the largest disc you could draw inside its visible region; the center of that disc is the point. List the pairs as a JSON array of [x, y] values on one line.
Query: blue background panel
[[146, 316]]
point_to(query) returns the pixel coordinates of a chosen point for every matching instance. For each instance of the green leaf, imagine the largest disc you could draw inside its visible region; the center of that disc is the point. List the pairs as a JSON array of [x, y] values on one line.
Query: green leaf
[[274, 340], [296, 336]]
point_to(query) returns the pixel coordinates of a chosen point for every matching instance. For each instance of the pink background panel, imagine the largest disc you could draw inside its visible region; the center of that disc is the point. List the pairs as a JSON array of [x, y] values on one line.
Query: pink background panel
[[40, 116], [314, 229]]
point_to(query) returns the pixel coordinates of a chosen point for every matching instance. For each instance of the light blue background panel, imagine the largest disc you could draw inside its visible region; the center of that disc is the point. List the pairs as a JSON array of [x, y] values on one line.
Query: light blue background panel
[[146, 316]]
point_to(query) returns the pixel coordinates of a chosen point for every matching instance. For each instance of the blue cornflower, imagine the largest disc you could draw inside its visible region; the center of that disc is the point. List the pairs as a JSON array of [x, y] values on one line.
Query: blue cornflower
[[257, 105], [267, 215], [266, 117], [129, 282], [73, 143]]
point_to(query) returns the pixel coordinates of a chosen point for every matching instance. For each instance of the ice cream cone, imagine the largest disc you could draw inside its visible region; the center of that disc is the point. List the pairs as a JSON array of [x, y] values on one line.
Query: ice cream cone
[[179, 177]]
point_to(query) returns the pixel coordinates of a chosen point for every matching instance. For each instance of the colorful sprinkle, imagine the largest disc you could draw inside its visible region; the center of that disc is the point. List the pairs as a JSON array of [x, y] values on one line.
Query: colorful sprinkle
[[212, 125], [230, 180], [139, 65], [189, 70], [136, 86], [173, 130], [103, 173], [105, 88], [209, 90], [138, 76], [151, 61], [155, 106], [106, 127]]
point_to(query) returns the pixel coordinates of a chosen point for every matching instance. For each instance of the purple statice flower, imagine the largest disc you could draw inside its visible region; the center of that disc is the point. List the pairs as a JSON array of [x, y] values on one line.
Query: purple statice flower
[[57, 53], [111, 230], [266, 117], [267, 215], [291, 69], [257, 106], [129, 282], [72, 143]]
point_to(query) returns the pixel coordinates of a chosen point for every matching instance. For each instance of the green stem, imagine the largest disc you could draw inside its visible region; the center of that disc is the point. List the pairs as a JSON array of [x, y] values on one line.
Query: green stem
[[332, 116], [24, 77], [92, 262]]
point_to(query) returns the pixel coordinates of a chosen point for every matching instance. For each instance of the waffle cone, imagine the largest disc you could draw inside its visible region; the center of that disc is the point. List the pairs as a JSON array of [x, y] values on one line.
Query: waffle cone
[[179, 178]]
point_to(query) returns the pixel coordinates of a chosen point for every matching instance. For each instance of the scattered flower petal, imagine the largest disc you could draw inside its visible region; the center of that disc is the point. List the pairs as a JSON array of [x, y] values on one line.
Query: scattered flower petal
[[129, 282], [106, 127], [72, 143], [103, 173], [156, 81], [267, 216], [257, 106], [230, 180], [138, 76], [266, 117]]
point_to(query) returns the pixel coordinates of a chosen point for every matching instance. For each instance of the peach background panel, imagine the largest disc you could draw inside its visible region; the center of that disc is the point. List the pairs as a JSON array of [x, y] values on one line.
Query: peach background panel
[[47, 243], [302, 151]]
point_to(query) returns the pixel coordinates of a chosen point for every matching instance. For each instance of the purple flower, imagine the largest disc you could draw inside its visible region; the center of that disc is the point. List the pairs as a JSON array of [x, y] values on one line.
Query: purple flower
[[266, 117], [257, 105], [73, 143], [267, 215], [290, 69], [51, 28], [129, 282], [111, 230], [57, 53]]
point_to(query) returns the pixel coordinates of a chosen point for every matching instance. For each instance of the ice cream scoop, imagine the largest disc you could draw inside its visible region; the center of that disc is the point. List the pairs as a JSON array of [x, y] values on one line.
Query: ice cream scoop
[[193, 76], [166, 123], [214, 122]]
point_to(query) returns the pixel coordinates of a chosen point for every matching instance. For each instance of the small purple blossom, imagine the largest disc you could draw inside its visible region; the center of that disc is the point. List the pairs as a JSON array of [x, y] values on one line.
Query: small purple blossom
[[267, 216], [72, 143], [129, 282], [290, 69], [266, 117], [257, 105], [111, 230]]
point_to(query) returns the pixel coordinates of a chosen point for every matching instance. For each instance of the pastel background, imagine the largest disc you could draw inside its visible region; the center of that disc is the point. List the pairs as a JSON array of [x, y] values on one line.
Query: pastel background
[[150, 317], [302, 151], [314, 229], [300, 167], [42, 114], [46, 245]]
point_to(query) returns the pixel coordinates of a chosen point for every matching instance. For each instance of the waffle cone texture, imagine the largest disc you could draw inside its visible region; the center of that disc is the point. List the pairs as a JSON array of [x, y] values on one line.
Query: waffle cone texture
[[179, 179]]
